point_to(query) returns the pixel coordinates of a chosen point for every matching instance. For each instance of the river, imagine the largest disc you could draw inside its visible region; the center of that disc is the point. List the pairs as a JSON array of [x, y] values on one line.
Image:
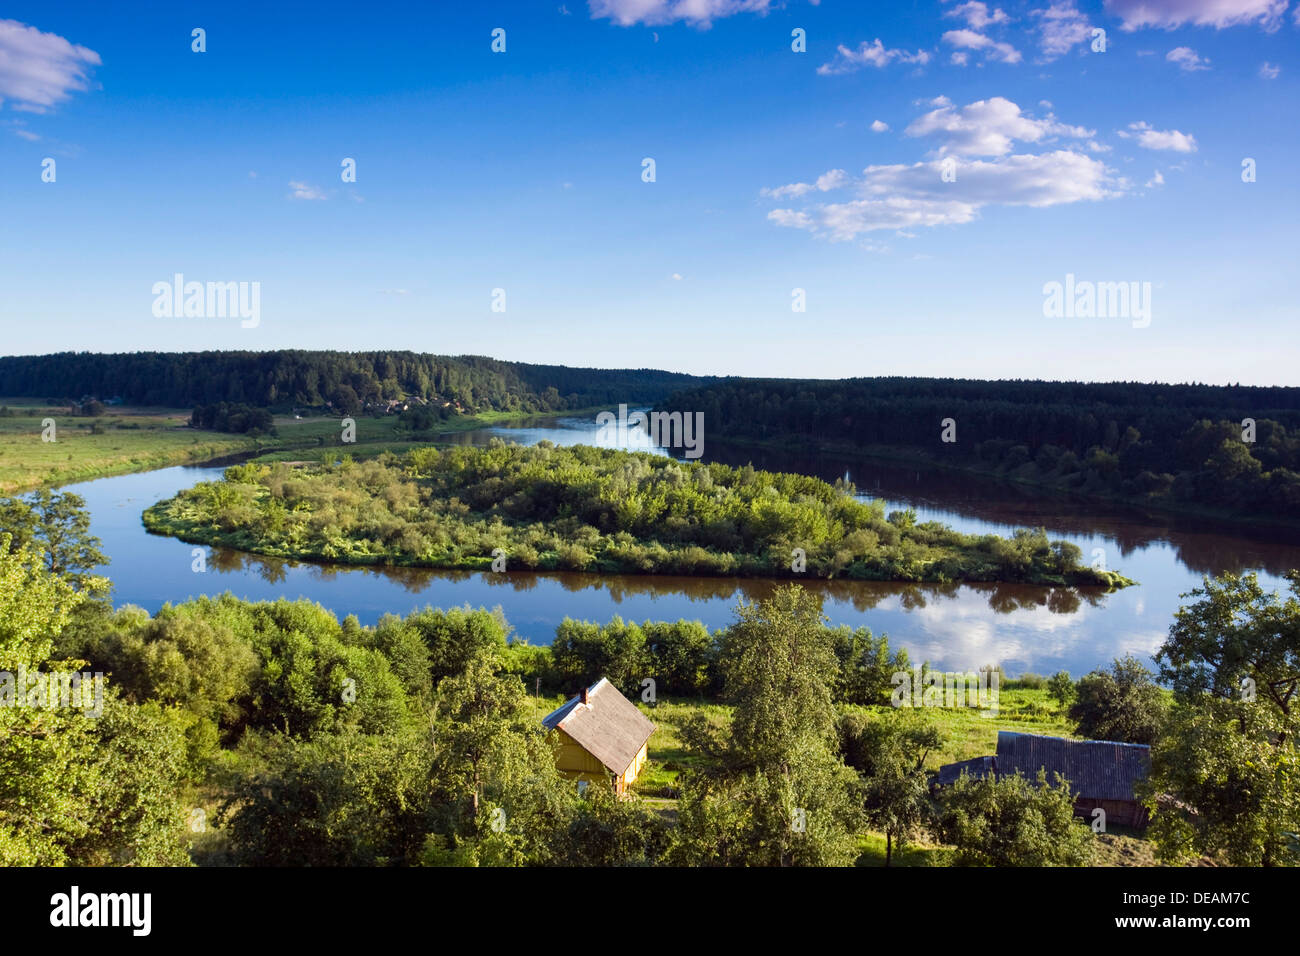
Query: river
[[1023, 628]]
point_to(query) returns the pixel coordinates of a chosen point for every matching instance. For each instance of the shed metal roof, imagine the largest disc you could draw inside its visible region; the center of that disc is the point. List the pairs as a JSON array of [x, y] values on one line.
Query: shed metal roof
[[1096, 769]]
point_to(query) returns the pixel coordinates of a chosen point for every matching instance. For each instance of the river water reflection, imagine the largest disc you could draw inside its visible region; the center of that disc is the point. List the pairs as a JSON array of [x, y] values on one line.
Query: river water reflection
[[1023, 628]]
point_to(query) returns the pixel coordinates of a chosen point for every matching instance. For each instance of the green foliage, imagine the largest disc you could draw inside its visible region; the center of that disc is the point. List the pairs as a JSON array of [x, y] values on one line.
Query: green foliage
[[350, 381], [235, 417], [890, 754], [1235, 632], [76, 788], [338, 799], [1121, 704], [59, 525], [1225, 780], [1060, 687], [774, 791], [1011, 821]]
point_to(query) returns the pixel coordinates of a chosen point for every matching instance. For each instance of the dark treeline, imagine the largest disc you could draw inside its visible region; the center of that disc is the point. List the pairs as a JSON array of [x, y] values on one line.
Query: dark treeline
[[1176, 444], [238, 418], [313, 379]]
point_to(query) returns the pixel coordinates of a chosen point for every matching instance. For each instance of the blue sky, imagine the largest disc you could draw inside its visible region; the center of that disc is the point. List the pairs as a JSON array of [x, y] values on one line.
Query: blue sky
[[522, 171]]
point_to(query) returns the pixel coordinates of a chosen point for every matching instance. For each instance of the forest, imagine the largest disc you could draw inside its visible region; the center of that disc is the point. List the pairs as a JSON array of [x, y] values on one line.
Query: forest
[[346, 381], [1176, 445], [589, 509]]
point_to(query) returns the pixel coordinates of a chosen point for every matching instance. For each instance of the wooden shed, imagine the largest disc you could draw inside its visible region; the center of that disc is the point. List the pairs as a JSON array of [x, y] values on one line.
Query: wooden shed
[[1101, 772], [600, 737]]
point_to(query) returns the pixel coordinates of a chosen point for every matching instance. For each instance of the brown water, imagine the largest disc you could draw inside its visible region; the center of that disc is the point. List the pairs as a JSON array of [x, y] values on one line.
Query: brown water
[[1022, 627]]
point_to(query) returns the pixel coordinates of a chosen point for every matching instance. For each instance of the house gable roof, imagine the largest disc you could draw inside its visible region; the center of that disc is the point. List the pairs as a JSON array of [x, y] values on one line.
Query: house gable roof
[[608, 726]]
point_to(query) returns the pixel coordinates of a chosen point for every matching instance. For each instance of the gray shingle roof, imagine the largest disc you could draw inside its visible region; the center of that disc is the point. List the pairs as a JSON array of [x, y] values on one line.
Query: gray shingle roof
[[610, 728], [1096, 769]]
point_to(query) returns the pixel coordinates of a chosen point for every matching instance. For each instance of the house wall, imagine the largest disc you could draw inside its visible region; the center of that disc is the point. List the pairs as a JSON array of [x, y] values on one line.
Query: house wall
[[633, 770], [1128, 813], [577, 764]]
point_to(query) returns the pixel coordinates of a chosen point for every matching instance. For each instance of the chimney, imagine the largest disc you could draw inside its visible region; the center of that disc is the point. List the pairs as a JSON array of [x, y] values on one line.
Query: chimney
[[584, 697]]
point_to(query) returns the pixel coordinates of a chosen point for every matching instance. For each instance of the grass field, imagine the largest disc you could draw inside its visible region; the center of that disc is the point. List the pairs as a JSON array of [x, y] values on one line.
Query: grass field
[[128, 439]]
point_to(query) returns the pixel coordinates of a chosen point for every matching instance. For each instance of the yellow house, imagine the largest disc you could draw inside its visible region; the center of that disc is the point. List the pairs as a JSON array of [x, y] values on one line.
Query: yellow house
[[600, 737]]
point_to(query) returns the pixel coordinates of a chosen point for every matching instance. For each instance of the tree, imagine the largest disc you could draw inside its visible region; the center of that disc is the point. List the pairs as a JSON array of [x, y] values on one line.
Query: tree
[[338, 799], [1122, 704], [1236, 632], [1060, 687], [890, 753], [1012, 821], [1225, 779], [76, 787], [493, 769], [60, 525], [773, 791], [1224, 776], [608, 831]]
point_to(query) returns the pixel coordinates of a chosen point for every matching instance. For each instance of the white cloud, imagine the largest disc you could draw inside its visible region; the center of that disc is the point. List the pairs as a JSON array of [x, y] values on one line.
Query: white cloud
[[908, 197], [27, 135], [869, 54], [1168, 14], [677, 277], [1061, 28], [987, 127], [833, 179], [1156, 180], [959, 59], [699, 13], [1148, 137], [879, 126], [994, 50], [977, 14], [904, 197], [304, 191], [1187, 59], [1270, 71], [39, 70]]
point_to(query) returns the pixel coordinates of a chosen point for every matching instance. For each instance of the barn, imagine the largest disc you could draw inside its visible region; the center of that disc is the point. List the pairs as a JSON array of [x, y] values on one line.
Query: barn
[[1102, 773], [600, 737]]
